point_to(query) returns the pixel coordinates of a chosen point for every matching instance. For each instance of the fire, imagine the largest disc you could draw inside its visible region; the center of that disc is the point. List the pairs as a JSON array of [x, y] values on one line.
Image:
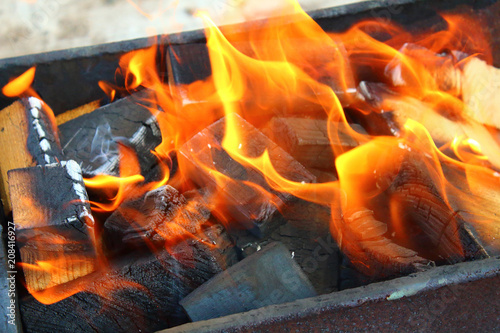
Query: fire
[[20, 84], [440, 154]]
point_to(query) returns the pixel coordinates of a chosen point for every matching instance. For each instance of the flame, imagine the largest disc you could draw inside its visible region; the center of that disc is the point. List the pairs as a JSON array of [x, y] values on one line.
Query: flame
[[19, 85], [440, 162]]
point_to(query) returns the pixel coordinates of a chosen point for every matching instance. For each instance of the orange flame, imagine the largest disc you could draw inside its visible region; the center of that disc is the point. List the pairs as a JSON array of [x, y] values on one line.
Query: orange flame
[[263, 73], [19, 85]]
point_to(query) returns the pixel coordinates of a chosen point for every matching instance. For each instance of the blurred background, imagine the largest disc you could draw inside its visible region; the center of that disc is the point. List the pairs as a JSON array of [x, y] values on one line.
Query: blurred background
[[34, 26]]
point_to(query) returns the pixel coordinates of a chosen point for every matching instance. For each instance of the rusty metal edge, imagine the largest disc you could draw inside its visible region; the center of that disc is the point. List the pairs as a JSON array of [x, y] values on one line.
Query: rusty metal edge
[[408, 286]]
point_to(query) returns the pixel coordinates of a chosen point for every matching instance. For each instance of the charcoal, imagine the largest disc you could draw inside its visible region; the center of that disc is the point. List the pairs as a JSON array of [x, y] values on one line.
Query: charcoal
[[269, 276], [152, 220], [307, 236], [93, 138], [245, 204]]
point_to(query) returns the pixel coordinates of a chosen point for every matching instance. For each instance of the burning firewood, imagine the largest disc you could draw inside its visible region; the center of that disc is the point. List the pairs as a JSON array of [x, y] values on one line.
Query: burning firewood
[[91, 139], [27, 139], [53, 223], [157, 218], [380, 256], [443, 128], [477, 82], [77, 112], [307, 139], [269, 276], [480, 91], [207, 164], [307, 236], [50, 209], [189, 63], [138, 293]]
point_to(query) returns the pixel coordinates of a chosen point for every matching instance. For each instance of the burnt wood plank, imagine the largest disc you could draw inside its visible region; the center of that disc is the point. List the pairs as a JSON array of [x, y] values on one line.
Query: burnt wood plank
[[92, 139], [53, 223], [77, 112], [246, 204], [269, 276], [158, 217], [307, 236], [372, 253], [308, 142], [27, 138], [138, 294]]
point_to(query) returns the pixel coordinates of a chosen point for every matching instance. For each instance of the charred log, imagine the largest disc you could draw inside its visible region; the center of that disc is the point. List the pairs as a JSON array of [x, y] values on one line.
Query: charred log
[[138, 294], [307, 140], [92, 139], [376, 255], [245, 204], [159, 217], [27, 138], [53, 223], [269, 276]]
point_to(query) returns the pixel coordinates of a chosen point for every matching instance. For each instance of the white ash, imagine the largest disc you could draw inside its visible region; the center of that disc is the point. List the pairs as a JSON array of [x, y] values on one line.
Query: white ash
[[35, 102]]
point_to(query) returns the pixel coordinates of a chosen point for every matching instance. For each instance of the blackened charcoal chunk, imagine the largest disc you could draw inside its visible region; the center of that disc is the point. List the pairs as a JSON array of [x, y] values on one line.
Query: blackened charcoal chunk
[[92, 139], [160, 216], [139, 293]]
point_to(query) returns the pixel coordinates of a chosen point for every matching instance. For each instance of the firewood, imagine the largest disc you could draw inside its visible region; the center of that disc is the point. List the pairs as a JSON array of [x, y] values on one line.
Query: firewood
[[443, 127], [77, 112], [372, 253], [53, 222], [475, 196], [138, 293], [480, 86], [156, 218], [473, 79], [91, 139], [373, 118], [269, 276], [9, 303], [27, 139], [244, 203], [308, 142], [307, 236]]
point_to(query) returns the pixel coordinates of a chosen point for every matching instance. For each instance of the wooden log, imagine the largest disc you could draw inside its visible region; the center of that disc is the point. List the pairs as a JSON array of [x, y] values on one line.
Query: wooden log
[[27, 139], [430, 225], [91, 139], [77, 112], [55, 228], [307, 236], [475, 196], [480, 85], [443, 126], [137, 294], [373, 254], [308, 142], [471, 78], [245, 204], [267, 277], [154, 220], [10, 317]]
